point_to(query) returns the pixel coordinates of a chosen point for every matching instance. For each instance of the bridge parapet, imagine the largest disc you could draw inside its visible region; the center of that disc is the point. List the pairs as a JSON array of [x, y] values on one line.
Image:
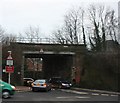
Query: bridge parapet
[[50, 47]]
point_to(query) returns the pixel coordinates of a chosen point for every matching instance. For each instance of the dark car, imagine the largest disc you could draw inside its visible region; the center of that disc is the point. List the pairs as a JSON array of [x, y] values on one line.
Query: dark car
[[58, 82], [28, 81], [55, 81], [40, 85], [65, 84]]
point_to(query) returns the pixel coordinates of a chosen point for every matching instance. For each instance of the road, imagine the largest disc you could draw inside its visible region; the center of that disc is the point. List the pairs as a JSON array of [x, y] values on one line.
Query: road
[[62, 95]]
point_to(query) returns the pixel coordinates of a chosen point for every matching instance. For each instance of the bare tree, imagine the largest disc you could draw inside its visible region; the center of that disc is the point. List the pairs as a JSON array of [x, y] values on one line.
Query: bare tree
[[59, 35], [119, 29], [70, 32], [33, 34], [104, 24], [94, 18], [2, 33], [112, 25], [20, 38], [83, 27], [72, 25], [6, 38]]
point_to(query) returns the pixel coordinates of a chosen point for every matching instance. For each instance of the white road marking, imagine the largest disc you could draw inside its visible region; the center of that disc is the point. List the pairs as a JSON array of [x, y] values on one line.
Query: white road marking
[[78, 97], [79, 92], [62, 97], [114, 95], [95, 94], [72, 91], [105, 94], [85, 93]]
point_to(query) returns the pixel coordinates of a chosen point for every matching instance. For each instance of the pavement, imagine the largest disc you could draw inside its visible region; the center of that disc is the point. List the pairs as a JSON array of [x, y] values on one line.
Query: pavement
[[23, 88]]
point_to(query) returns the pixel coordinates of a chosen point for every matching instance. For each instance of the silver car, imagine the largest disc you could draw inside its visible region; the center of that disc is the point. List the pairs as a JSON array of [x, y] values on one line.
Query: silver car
[[41, 84]]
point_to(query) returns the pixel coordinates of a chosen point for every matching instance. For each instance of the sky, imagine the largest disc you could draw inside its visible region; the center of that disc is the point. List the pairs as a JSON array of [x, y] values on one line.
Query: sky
[[17, 15]]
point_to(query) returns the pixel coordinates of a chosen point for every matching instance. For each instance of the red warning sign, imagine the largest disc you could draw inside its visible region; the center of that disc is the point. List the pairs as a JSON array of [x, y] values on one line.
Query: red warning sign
[[9, 69]]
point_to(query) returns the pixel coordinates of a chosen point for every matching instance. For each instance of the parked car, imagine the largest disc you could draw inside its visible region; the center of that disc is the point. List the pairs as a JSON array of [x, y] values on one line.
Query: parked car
[[55, 82], [58, 82], [6, 89], [41, 84], [28, 81], [65, 84]]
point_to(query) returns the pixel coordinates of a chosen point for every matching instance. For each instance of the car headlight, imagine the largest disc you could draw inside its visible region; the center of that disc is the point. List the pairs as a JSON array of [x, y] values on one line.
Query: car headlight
[[32, 84], [45, 85], [63, 84], [13, 87]]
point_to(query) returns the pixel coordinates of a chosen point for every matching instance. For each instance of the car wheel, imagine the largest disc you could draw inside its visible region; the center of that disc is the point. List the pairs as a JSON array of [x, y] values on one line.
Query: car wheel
[[5, 94]]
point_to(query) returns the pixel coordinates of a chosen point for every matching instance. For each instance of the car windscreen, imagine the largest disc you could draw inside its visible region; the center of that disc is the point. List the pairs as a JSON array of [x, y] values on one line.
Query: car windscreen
[[40, 81]]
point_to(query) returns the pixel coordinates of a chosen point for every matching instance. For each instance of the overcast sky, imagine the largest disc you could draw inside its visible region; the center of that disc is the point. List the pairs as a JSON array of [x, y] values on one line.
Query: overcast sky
[[17, 15]]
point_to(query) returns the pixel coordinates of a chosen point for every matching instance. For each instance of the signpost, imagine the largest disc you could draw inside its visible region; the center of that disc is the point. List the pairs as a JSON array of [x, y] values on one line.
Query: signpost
[[9, 66]]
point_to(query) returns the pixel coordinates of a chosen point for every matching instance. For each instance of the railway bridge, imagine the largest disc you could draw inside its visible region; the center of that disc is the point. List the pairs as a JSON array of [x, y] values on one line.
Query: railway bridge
[[39, 60]]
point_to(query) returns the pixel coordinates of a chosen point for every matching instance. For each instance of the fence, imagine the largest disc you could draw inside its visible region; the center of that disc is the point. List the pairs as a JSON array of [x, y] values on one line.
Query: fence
[[36, 40]]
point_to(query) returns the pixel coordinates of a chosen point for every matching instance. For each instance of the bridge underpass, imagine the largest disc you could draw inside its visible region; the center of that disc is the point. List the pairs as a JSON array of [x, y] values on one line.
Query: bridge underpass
[[53, 64]]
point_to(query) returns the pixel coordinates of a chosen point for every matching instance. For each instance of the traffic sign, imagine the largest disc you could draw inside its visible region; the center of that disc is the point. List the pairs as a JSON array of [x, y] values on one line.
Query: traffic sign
[[9, 69], [9, 62]]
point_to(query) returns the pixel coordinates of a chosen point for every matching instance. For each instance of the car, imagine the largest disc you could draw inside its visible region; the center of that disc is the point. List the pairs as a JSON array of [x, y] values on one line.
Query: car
[[58, 82], [28, 81], [64, 84], [55, 82], [40, 85], [6, 89]]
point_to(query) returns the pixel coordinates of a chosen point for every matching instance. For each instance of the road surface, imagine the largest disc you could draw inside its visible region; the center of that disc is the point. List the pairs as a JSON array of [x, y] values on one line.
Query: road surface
[[62, 95]]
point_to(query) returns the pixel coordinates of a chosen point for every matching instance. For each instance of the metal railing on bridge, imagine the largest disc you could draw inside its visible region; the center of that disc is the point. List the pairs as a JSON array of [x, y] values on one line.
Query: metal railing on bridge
[[36, 40]]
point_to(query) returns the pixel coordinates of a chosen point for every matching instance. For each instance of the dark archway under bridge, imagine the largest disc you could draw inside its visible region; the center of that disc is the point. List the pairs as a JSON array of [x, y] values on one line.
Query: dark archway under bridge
[[53, 64], [58, 60]]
